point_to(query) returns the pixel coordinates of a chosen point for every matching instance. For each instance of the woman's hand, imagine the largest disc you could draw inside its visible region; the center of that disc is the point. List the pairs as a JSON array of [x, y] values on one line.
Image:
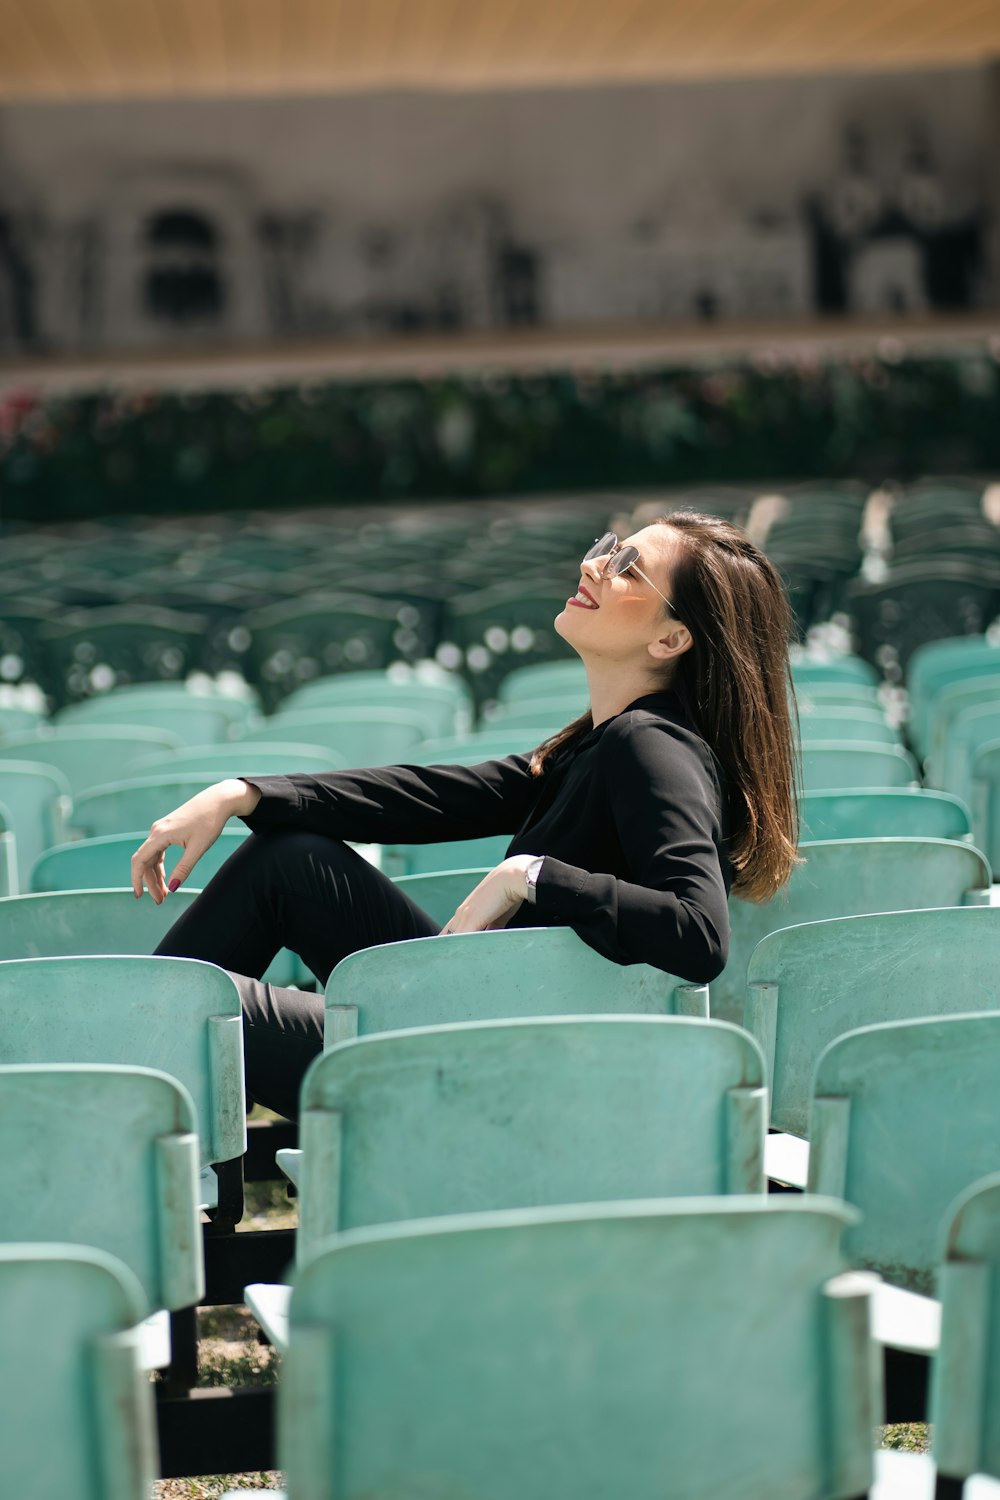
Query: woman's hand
[[495, 899], [195, 826]]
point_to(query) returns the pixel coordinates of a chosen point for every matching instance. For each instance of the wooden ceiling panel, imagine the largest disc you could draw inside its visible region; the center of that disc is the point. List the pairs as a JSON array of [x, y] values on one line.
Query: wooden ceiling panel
[[127, 48]]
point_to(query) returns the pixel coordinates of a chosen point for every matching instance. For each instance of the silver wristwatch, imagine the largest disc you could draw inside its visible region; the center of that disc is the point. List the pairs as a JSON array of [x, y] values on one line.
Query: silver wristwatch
[[531, 875]]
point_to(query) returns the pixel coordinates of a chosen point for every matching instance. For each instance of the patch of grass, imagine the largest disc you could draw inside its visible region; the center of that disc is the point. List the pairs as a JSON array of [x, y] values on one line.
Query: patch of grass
[[911, 1437], [210, 1486], [268, 1206], [229, 1351]]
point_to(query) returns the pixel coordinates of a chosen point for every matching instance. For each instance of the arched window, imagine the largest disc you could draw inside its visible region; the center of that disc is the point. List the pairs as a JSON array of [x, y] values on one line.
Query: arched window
[[182, 284]]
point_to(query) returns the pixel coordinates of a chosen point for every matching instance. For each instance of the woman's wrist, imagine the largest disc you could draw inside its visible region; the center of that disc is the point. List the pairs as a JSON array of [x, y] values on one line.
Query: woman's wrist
[[239, 797]]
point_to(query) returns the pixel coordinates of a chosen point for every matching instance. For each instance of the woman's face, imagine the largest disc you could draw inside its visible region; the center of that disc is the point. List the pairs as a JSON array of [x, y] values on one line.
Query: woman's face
[[621, 618]]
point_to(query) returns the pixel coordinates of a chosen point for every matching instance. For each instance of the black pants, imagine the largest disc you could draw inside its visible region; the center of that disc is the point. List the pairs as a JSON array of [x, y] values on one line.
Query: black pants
[[293, 890]]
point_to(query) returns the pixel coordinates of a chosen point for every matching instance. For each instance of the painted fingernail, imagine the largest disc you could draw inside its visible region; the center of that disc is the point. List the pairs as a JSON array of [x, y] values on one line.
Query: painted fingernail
[[172, 885]]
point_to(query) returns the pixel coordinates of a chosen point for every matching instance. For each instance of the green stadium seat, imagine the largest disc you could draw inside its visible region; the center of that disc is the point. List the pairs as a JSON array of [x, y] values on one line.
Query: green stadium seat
[[479, 976], [356, 736], [807, 671], [77, 1407], [948, 704], [236, 758], [37, 799], [829, 765], [457, 854], [810, 984], [470, 749], [558, 1354], [84, 753], [536, 718], [161, 701], [521, 1114], [984, 795], [848, 878], [106, 1157], [548, 679], [17, 721], [903, 1119], [8, 854], [846, 726], [444, 701], [131, 803], [894, 812], [971, 728], [939, 665]]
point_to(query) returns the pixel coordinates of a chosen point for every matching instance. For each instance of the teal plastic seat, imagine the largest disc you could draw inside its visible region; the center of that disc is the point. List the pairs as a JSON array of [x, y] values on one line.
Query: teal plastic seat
[[824, 695], [949, 703], [837, 765], [58, 924], [846, 726], [478, 976], [159, 703], [562, 1354], [8, 854], [970, 729], [903, 1119], [76, 1409], [106, 1157], [440, 892], [835, 669], [536, 718], [103, 862], [133, 802], [548, 679], [83, 753], [193, 719], [179, 1015], [15, 720], [470, 749], [940, 664], [216, 762], [808, 985], [432, 859], [444, 701], [984, 794], [37, 799], [520, 1114], [892, 812], [357, 736], [848, 878]]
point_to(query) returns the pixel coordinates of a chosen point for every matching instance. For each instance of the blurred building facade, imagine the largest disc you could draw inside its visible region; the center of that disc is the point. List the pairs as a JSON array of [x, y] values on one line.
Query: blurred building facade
[[179, 224]]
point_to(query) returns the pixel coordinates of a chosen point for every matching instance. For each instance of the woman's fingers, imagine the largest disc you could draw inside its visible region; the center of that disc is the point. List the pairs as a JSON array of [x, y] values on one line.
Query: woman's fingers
[[147, 867]]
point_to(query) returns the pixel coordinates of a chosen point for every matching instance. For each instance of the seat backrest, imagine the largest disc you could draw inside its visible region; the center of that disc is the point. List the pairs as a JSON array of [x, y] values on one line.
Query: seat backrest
[[560, 1354], [440, 892], [108, 1157], [194, 720], [837, 765], [984, 798], [543, 680], [58, 924], [76, 1407], [847, 878], [83, 753], [806, 670], [520, 1114], [175, 1014], [470, 749], [133, 802], [434, 859], [965, 1381], [893, 812], [103, 862], [951, 700], [357, 736], [846, 726], [935, 666], [158, 703], [808, 985], [479, 976], [8, 854], [444, 704], [38, 801], [976, 725], [236, 759], [903, 1118], [537, 717]]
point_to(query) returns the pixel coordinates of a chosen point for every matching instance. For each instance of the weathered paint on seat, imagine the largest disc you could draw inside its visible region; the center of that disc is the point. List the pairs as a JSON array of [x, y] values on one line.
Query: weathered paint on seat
[[58, 924], [76, 1408], [520, 1114], [178, 1015], [107, 1157], [480, 976], [847, 878], [903, 1119], [829, 765], [893, 812], [581, 1353], [807, 985]]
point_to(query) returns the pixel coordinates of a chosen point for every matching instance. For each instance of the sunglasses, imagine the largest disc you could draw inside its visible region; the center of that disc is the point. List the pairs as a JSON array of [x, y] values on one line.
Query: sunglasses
[[620, 560]]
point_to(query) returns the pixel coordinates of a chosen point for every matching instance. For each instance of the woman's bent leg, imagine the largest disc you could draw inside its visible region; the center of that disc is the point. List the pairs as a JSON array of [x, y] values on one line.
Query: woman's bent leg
[[294, 890]]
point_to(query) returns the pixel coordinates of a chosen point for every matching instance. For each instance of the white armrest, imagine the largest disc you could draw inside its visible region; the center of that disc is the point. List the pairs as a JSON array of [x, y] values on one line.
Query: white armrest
[[786, 1159], [905, 1320], [208, 1189], [289, 1159], [154, 1341], [910, 1476], [269, 1305]]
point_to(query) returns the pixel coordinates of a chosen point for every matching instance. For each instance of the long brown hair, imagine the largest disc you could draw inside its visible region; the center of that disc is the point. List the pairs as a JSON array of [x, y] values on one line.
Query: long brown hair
[[735, 684]]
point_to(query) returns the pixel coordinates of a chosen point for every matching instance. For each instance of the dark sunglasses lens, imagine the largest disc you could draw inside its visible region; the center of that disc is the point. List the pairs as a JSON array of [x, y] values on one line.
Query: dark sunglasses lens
[[602, 547], [622, 561]]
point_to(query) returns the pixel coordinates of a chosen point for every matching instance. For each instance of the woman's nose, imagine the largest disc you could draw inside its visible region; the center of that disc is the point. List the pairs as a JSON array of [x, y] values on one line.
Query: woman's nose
[[593, 567]]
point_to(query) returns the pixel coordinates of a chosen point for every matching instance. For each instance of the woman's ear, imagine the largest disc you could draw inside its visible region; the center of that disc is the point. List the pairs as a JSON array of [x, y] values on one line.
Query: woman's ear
[[676, 641]]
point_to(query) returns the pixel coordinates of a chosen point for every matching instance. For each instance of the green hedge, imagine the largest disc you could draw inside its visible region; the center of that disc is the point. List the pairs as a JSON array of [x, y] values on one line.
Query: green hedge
[[497, 434]]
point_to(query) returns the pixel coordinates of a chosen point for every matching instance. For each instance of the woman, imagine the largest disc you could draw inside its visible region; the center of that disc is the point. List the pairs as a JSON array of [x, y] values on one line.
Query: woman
[[629, 825]]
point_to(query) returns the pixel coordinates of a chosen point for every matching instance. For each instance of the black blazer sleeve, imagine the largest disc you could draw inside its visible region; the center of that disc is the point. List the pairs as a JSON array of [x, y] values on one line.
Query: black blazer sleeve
[[400, 804], [667, 807]]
